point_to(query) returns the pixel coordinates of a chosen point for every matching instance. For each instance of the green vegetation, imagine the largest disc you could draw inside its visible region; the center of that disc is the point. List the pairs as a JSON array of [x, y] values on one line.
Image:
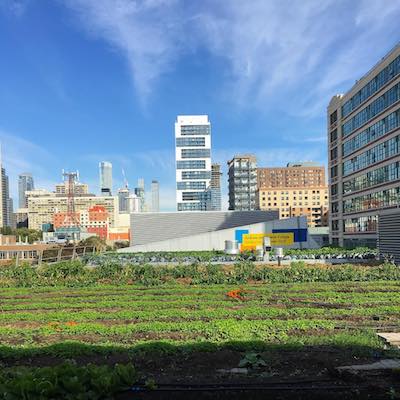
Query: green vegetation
[[144, 315], [133, 317], [65, 381], [76, 273], [32, 234]]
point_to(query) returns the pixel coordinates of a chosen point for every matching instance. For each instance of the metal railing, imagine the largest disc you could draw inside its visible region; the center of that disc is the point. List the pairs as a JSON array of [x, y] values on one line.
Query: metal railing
[[57, 254]]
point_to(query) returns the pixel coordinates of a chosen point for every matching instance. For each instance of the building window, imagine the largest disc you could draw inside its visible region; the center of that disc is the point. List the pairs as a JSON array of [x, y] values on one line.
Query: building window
[[191, 142], [334, 153], [376, 107], [195, 130], [333, 117], [191, 164], [334, 135], [195, 153]]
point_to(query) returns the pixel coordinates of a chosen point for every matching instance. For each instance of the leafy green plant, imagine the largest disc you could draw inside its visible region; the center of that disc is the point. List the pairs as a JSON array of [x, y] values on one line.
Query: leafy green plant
[[65, 381], [252, 360]]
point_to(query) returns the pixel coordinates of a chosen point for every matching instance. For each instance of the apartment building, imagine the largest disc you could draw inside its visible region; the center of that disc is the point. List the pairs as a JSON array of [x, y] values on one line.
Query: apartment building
[[42, 205], [311, 202], [295, 175], [364, 153], [193, 162], [242, 179], [80, 189], [93, 220], [215, 188], [295, 190]]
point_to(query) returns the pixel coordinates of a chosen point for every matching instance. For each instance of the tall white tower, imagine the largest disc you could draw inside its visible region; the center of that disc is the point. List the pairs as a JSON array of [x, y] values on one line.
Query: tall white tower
[[193, 162], [155, 196]]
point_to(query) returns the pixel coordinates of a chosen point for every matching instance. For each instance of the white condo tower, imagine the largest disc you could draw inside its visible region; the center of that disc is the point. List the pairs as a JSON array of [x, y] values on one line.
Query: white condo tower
[[193, 162]]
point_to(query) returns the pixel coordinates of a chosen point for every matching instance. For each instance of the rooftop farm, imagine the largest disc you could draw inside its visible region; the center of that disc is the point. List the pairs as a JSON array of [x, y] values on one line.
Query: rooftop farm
[[144, 331]]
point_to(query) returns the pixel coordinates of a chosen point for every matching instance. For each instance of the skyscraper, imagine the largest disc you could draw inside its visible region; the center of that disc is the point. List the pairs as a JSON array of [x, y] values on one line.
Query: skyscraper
[[123, 200], [25, 182], [193, 162], [105, 168], [155, 196], [140, 193], [364, 153], [215, 188], [242, 178], [6, 211]]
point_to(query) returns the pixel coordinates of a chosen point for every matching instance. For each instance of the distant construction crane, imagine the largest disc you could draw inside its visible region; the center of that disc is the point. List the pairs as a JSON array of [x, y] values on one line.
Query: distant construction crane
[[125, 180], [70, 220]]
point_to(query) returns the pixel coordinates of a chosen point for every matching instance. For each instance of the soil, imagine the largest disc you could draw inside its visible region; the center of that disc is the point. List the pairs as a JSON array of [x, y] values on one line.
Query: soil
[[307, 373]]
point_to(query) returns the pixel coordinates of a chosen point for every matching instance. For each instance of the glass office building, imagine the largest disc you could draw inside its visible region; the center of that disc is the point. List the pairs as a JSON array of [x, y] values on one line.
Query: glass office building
[[364, 153]]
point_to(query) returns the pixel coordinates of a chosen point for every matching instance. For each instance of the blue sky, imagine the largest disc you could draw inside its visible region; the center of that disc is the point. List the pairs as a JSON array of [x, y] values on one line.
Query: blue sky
[[88, 80]]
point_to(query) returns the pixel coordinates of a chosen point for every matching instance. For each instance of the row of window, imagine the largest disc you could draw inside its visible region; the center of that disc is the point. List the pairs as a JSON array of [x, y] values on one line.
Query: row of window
[[384, 198], [195, 196], [375, 131], [191, 142], [380, 175], [196, 153], [192, 206], [387, 74], [361, 224], [187, 175], [306, 204], [187, 130], [191, 164], [378, 153], [377, 106], [197, 185]]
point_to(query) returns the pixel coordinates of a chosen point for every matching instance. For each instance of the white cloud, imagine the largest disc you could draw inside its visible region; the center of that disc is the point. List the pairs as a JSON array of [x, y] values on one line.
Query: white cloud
[[143, 31], [287, 54]]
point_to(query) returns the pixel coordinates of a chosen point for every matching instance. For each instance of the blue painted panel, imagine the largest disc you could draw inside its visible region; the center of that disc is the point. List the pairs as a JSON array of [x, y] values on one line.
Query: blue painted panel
[[300, 235], [239, 234]]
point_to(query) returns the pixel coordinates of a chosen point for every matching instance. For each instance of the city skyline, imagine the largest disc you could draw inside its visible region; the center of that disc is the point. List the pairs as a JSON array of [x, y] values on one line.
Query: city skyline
[[266, 94]]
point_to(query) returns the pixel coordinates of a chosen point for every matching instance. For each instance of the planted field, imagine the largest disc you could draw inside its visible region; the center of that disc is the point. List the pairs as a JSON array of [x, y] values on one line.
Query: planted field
[[185, 332], [262, 315]]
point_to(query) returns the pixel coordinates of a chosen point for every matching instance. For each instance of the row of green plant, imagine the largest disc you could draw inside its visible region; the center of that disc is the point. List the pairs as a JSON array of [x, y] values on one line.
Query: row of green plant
[[126, 316], [75, 273], [178, 298], [66, 381], [209, 255]]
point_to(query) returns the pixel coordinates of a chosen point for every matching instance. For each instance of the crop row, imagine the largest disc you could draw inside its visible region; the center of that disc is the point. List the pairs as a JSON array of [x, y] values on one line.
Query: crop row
[[76, 274], [205, 314]]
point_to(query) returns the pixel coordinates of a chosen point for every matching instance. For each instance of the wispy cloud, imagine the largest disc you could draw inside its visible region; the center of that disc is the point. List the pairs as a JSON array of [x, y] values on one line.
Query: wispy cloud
[[143, 31], [287, 54]]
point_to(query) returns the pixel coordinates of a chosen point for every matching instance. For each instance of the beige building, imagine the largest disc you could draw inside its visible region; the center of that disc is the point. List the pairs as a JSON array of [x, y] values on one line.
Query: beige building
[[364, 153], [311, 202], [299, 189], [296, 175], [79, 188], [42, 205]]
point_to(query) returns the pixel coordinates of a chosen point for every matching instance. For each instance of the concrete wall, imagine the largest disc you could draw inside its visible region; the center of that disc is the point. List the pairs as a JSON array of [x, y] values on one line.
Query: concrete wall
[[215, 240], [155, 227]]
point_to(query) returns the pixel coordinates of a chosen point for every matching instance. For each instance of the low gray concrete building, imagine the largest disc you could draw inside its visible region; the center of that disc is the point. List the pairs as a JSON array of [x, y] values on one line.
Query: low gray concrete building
[[197, 231]]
